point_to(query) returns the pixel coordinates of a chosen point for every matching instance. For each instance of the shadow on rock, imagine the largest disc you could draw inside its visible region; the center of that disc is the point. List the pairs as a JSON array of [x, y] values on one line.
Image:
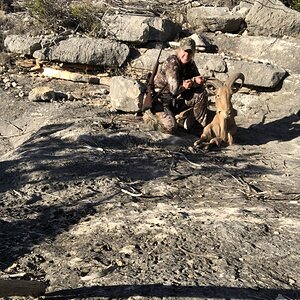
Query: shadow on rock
[[47, 157], [160, 291], [50, 222], [52, 162], [282, 130]]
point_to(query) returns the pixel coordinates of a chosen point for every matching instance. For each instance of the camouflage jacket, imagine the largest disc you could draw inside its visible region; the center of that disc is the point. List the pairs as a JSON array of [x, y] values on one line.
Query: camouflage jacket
[[172, 73]]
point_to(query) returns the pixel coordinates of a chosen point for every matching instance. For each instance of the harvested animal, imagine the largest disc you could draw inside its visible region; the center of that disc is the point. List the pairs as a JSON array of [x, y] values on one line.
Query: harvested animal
[[223, 126]]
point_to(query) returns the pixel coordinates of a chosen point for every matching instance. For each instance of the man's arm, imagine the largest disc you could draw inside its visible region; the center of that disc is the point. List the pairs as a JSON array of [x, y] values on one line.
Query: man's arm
[[194, 82], [196, 78]]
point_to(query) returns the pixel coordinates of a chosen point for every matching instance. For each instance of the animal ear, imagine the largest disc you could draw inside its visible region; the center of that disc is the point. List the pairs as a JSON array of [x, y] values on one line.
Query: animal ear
[[211, 89], [212, 84]]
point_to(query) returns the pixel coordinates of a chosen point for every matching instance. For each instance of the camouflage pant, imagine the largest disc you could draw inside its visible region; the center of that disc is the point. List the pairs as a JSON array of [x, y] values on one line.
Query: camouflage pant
[[162, 120], [187, 109]]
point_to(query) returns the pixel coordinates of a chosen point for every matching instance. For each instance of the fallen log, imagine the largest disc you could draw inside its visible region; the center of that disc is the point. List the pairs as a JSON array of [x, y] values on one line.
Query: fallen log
[[77, 77], [72, 76], [21, 288]]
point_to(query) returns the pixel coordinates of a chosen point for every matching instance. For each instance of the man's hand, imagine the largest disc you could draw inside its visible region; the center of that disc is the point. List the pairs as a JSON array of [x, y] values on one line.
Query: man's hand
[[187, 84], [199, 80]]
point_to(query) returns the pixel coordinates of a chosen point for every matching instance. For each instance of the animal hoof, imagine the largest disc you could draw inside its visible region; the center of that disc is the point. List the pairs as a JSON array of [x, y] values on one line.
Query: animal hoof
[[192, 149], [197, 143]]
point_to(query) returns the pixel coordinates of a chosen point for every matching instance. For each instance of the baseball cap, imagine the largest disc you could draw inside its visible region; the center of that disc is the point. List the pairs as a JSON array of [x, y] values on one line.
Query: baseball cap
[[187, 44]]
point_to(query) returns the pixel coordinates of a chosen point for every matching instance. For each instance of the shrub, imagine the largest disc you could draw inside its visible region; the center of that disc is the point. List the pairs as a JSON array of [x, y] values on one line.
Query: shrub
[[293, 4], [296, 5], [52, 13], [5, 5], [81, 16], [87, 18]]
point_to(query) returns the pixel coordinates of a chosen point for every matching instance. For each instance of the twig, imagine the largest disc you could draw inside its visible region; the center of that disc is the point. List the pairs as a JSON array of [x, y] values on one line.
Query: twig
[[17, 275], [94, 148], [54, 196], [131, 194], [19, 128], [190, 162]]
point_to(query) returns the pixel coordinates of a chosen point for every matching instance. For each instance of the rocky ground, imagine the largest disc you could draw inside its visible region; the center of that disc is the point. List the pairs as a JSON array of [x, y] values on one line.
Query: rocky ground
[[99, 207]]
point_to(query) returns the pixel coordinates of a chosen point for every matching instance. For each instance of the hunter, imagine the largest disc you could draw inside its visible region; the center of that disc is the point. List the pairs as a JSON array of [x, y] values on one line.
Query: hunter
[[180, 97]]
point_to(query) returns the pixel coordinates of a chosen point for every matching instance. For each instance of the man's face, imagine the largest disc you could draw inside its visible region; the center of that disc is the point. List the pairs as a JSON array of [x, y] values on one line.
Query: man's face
[[185, 56]]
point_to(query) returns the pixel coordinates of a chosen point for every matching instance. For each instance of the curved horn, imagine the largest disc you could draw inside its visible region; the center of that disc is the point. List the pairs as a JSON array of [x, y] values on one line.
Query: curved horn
[[212, 84], [233, 78]]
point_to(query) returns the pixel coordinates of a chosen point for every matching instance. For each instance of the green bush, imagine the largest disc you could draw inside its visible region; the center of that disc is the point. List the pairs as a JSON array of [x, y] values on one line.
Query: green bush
[[293, 4], [5, 5], [49, 12], [87, 18], [81, 16], [296, 5]]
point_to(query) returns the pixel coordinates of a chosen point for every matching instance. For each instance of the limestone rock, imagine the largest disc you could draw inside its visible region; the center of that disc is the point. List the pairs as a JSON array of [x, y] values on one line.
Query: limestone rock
[[257, 74], [141, 29], [148, 58], [214, 19], [126, 94], [210, 62], [273, 18], [202, 43], [162, 29], [276, 51], [22, 44], [42, 93], [128, 28], [88, 51]]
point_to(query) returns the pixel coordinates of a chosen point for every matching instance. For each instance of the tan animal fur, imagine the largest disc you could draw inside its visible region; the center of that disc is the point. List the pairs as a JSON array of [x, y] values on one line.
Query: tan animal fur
[[223, 127]]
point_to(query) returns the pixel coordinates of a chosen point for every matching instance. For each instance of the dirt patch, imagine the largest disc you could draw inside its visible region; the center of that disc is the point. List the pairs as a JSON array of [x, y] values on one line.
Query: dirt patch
[[97, 206]]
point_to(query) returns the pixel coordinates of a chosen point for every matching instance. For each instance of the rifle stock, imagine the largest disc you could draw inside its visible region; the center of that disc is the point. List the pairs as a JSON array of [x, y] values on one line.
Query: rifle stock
[[148, 99]]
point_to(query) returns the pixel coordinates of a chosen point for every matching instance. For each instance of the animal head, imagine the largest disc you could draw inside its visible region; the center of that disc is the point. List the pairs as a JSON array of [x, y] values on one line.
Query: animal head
[[223, 93]]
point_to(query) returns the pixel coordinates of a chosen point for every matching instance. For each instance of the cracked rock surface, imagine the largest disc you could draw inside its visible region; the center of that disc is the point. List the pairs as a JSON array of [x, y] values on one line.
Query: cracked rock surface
[[99, 207]]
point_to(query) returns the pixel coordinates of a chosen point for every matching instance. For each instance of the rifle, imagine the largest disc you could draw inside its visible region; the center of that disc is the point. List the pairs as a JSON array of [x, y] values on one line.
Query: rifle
[[148, 100]]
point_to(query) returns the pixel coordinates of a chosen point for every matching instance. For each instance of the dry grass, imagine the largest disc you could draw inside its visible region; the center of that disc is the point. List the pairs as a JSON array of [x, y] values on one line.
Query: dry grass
[[87, 17], [5, 5], [81, 16]]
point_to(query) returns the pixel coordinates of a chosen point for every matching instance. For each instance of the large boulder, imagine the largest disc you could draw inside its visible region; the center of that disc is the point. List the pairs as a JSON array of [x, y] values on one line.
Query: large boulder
[[128, 28], [148, 57], [126, 94], [280, 52], [88, 51], [243, 8], [141, 29], [162, 29], [22, 44], [257, 74], [214, 19], [272, 18], [227, 3], [210, 63]]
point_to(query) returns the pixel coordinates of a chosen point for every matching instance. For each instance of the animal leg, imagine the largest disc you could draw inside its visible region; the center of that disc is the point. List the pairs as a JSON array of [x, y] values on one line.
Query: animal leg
[[216, 141], [199, 142], [230, 139]]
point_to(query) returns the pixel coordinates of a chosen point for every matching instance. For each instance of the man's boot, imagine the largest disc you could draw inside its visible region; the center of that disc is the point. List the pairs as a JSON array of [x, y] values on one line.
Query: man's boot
[[150, 119]]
